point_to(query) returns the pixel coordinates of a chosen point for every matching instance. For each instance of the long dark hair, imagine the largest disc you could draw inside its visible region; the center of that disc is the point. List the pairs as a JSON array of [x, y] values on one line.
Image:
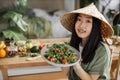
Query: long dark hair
[[95, 37]]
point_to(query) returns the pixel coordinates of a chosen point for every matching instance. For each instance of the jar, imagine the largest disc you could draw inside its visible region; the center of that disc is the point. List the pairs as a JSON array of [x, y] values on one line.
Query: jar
[[12, 49]]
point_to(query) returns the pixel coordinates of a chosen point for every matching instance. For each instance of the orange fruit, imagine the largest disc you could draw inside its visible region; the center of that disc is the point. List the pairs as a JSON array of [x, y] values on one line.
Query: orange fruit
[[2, 53]]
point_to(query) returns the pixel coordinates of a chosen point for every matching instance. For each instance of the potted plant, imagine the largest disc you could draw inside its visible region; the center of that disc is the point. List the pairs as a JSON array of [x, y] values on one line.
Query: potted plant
[[19, 22]]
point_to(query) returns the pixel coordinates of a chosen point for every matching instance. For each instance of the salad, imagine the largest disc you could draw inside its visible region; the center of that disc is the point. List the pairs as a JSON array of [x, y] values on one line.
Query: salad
[[60, 54]]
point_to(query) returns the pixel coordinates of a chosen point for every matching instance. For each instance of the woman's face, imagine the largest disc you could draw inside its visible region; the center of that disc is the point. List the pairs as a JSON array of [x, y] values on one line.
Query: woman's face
[[83, 26]]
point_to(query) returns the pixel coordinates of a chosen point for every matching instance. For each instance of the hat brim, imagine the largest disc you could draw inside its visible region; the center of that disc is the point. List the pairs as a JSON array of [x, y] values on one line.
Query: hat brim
[[68, 21]]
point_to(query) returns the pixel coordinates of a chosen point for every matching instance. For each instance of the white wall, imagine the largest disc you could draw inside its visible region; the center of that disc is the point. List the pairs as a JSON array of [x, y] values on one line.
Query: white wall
[[114, 4], [69, 5]]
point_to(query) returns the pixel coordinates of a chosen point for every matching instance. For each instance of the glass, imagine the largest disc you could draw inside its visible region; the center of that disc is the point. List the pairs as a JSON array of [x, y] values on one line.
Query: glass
[[12, 49]]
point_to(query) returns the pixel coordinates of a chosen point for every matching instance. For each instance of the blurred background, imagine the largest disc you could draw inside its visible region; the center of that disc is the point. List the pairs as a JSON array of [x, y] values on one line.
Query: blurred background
[[28, 19], [33, 19]]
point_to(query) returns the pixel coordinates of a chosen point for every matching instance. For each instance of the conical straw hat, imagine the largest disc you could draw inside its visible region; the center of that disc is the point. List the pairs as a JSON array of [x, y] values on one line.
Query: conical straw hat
[[68, 19]]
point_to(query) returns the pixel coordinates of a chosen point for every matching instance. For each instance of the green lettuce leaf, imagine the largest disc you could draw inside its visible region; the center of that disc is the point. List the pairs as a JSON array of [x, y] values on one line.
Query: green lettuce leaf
[[13, 33], [18, 19]]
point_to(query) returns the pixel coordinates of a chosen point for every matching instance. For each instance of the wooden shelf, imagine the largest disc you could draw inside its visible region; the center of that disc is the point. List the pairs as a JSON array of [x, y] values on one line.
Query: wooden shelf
[[41, 76]]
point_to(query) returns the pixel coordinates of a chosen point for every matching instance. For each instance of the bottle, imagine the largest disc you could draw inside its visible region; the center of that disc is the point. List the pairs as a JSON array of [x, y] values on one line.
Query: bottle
[[12, 49]]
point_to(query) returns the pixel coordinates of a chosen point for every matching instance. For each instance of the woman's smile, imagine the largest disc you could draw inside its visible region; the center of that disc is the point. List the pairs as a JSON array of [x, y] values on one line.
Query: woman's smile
[[81, 31]]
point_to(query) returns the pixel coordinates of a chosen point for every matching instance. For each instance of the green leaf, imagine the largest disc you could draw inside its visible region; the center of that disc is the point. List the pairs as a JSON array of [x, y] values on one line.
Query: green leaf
[[18, 19], [13, 33]]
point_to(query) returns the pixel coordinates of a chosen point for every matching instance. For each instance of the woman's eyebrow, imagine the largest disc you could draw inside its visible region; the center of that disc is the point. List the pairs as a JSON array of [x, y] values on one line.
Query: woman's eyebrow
[[89, 17]]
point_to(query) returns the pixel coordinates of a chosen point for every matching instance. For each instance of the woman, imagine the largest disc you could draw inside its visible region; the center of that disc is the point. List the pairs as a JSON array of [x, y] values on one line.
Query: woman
[[89, 30]]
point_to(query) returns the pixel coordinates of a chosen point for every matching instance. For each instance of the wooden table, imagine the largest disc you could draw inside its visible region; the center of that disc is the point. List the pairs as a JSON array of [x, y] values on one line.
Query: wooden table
[[18, 62]]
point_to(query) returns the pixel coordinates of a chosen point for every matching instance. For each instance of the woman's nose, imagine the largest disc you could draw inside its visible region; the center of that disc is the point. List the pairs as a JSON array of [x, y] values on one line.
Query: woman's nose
[[82, 25]]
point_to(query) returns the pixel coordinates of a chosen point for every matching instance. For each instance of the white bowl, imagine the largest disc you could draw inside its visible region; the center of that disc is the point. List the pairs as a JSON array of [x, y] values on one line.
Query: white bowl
[[43, 52]]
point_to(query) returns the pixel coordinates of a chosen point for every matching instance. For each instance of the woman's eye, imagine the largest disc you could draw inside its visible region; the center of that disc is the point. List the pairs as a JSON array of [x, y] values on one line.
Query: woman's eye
[[88, 21]]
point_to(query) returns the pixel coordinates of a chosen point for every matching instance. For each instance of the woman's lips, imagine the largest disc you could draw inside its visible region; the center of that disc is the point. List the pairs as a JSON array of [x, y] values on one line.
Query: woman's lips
[[81, 31]]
